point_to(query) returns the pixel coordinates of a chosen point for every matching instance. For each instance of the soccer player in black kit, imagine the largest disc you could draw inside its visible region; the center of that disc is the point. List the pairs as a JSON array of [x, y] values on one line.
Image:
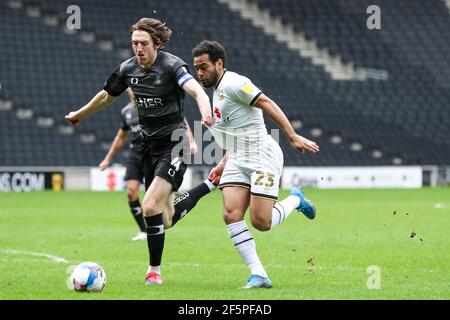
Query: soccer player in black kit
[[158, 80], [134, 174]]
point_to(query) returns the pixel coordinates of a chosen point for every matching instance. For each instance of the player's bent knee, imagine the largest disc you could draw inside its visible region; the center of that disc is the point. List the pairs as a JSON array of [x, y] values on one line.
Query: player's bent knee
[[260, 224], [150, 208], [133, 194], [231, 217]]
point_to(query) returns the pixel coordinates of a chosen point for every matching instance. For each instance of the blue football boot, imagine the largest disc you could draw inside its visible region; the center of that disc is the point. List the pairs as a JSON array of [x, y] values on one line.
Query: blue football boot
[[306, 206], [257, 281]]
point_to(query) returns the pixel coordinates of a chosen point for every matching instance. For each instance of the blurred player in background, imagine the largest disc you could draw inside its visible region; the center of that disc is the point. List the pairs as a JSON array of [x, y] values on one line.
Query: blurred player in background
[[159, 81], [252, 167], [134, 174]]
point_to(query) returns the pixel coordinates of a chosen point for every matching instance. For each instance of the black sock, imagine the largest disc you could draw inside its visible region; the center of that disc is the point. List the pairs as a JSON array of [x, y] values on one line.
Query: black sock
[[187, 200], [155, 238], [136, 211]]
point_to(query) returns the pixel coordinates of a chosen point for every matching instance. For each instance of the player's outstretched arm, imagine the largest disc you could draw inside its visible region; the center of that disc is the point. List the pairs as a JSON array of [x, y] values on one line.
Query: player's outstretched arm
[[277, 115], [101, 100], [117, 144], [192, 144], [195, 90]]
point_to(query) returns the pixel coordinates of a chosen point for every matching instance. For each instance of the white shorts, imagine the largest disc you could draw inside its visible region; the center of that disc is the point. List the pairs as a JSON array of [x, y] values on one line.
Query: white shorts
[[261, 175]]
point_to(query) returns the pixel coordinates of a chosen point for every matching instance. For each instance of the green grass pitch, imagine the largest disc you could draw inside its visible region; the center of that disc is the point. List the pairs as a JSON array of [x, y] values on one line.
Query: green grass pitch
[[405, 233]]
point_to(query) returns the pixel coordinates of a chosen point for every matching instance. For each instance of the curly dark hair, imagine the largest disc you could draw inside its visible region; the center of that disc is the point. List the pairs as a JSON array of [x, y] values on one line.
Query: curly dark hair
[[158, 30], [214, 49]]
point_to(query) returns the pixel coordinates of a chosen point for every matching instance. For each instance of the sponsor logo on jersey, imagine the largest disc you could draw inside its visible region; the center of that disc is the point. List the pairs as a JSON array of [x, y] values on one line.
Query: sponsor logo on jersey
[[248, 88], [158, 82], [149, 102], [217, 113], [218, 116]]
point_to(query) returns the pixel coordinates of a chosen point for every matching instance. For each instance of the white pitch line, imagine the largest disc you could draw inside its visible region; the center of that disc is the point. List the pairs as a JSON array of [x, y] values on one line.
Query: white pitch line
[[36, 254]]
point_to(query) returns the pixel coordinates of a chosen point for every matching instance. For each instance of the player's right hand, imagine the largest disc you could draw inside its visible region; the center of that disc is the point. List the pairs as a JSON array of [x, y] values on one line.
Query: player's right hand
[[104, 164], [73, 118], [208, 121]]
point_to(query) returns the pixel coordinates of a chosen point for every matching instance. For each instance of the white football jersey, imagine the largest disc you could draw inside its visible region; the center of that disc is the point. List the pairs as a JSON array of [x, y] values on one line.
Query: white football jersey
[[239, 127]]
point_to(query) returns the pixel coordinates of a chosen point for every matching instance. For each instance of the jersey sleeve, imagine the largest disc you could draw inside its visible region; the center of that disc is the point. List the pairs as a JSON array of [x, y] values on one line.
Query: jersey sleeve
[[178, 69], [244, 91], [182, 76], [123, 125], [115, 84]]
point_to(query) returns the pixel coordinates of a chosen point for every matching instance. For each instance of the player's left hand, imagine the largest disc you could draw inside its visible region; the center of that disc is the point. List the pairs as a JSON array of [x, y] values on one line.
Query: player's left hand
[[302, 144], [214, 175], [104, 164]]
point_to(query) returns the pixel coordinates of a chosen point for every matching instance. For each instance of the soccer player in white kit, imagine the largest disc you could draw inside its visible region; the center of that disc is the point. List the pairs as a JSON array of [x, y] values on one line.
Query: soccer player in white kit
[[251, 169]]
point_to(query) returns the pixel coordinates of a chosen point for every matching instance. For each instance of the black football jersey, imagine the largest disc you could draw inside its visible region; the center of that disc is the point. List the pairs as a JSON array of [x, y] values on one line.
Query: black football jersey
[[159, 97]]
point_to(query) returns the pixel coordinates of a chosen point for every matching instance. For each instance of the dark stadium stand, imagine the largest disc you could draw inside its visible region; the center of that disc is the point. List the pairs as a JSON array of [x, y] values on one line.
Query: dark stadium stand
[[412, 105], [406, 117], [51, 79]]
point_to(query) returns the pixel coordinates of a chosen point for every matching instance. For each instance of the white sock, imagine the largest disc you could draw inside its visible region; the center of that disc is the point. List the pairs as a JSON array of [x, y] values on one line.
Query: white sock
[[246, 246], [210, 185], [281, 210], [155, 269]]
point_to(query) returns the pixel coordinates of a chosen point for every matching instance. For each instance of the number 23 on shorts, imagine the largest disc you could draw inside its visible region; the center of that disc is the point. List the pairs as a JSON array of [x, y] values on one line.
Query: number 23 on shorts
[[262, 179]]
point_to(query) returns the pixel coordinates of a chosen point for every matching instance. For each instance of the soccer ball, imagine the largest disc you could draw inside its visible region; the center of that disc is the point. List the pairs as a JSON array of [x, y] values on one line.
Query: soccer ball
[[88, 277]]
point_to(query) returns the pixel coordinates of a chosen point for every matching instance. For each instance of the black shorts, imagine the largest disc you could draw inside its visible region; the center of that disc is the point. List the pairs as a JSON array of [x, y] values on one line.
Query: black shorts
[[134, 165], [165, 162]]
